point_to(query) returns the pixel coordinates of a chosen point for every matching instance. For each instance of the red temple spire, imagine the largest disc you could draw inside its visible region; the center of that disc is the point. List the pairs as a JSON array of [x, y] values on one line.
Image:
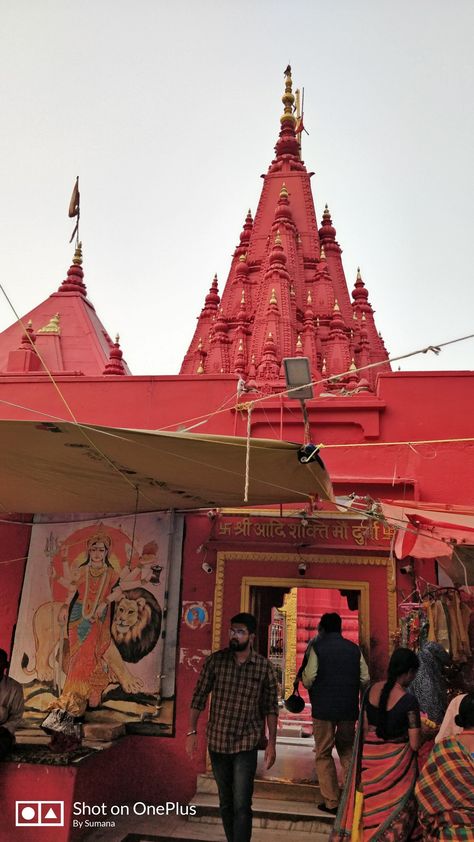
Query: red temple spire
[[75, 276], [287, 143], [281, 257], [245, 235], [212, 299], [338, 355], [115, 363]]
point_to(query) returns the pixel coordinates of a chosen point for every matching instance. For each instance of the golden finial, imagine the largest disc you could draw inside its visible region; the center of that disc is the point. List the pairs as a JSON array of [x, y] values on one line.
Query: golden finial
[[30, 324], [299, 343], [270, 335], [363, 317], [298, 238], [292, 291], [200, 344], [359, 277], [352, 366], [354, 315], [77, 259], [200, 368], [283, 192], [273, 298], [278, 238], [323, 370], [253, 359], [52, 326], [243, 258], [242, 300], [288, 99], [309, 298], [241, 345], [117, 338], [336, 308], [322, 255]]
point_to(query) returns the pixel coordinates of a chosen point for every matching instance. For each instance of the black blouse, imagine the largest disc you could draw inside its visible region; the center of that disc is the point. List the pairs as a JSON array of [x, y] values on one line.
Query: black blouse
[[405, 714]]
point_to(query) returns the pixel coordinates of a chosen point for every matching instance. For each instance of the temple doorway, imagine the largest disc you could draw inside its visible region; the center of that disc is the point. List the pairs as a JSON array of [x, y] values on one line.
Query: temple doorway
[[288, 614]]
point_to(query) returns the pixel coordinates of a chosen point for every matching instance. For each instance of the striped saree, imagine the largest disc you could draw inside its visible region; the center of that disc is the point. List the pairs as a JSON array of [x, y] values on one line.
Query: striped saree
[[378, 801], [445, 793]]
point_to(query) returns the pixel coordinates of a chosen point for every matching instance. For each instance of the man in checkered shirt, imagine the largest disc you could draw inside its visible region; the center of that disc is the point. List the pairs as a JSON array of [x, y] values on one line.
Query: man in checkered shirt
[[244, 695]]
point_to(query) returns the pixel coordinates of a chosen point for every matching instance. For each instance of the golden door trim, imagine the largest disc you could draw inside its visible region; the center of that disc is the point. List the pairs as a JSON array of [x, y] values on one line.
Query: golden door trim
[[373, 561]]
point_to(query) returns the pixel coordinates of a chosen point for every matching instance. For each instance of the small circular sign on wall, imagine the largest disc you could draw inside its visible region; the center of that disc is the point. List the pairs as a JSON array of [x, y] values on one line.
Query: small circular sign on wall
[[196, 615]]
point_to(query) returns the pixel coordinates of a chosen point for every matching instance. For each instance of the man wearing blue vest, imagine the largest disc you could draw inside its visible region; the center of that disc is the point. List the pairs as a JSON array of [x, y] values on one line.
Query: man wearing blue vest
[[334, 673]]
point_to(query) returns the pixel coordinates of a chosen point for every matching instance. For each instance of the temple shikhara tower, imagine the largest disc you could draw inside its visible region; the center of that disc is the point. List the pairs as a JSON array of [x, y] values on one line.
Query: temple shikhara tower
[[398, 448], [286, 294]]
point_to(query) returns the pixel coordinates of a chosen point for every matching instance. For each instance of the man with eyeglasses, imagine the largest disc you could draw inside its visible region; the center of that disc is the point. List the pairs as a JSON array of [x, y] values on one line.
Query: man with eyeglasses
[[244, 697]]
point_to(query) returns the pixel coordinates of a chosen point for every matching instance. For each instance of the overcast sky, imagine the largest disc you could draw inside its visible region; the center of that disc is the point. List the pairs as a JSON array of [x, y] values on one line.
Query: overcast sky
[[169, 113]]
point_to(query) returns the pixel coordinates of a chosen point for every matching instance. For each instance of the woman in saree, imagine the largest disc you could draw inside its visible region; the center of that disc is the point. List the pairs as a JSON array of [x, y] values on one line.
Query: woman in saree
[[445, 789], [378, 801]]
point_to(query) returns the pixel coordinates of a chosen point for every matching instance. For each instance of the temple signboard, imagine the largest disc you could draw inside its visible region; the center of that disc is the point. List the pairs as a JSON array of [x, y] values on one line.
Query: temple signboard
[[324, 532]]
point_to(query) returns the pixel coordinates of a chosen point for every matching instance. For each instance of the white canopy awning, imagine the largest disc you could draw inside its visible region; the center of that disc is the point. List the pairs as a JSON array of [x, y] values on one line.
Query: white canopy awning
[[66, 467], [435, 530]]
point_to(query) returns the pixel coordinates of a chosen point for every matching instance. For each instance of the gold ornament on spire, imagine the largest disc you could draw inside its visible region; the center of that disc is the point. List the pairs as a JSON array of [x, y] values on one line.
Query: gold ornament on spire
[[359, 276], [322, 254], [278, 238], [273, 298], [77, 259], [299, 343], [309, 298], [352, 366], [200, 368], [288, 99], [283, 192], [336, 308], [242, 300], [52, 326], [117, 338], [200, 344]]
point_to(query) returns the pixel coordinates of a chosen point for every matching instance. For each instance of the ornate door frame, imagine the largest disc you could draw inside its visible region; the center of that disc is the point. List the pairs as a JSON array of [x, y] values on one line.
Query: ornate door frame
[[361, 585]]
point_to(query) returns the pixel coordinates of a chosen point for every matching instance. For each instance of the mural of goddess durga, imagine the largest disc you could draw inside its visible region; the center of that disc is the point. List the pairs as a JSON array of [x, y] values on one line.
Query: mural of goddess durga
[[86, 591]]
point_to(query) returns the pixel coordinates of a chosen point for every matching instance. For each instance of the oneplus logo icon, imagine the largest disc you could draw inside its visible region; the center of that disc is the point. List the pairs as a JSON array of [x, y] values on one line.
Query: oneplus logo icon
[[39, 813]]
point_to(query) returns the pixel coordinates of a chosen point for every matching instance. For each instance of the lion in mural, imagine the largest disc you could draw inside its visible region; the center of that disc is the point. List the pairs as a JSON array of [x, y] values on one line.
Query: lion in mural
[[135, 629], [136, 624]]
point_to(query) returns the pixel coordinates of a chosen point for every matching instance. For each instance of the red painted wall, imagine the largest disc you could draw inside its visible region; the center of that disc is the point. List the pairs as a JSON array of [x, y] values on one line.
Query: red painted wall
[[407, 407]]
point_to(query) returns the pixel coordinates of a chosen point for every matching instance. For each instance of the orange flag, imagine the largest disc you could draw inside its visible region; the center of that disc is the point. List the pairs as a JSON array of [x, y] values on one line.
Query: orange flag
[[74, 203]]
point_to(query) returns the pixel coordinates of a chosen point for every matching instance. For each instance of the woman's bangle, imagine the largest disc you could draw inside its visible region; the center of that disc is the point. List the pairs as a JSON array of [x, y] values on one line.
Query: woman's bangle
[[190, 733]]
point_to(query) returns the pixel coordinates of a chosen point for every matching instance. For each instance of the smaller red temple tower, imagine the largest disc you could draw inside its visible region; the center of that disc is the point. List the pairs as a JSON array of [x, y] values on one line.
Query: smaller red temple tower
[[64, 335]]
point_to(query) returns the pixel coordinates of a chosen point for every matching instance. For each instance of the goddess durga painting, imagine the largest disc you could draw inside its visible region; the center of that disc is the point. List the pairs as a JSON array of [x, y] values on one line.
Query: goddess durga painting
[[93, 588], [102, 619]]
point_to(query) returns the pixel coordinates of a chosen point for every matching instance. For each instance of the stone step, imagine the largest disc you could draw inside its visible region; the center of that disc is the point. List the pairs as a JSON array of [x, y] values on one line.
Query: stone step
[[270, 788], [188, 832], [269, 813]]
